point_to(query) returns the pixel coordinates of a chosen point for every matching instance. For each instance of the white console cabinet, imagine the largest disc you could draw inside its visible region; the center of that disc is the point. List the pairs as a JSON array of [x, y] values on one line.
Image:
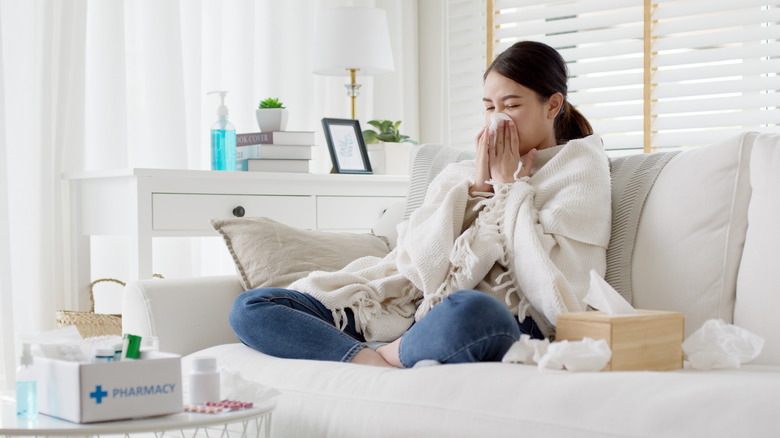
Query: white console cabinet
[[147, 203]]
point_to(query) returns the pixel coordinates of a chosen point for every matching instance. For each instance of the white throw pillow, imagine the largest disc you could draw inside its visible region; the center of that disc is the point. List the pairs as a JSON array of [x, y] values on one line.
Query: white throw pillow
[[758, 284], [270, 254], [387, 224], [690, 235]]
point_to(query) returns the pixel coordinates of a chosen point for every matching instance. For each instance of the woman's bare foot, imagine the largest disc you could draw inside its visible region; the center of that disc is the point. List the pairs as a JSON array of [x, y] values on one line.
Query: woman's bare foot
[[389, 353], [368, 356]]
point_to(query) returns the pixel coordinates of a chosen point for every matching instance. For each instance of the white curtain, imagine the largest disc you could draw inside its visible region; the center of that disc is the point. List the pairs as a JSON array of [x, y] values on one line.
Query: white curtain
[[91, 85]]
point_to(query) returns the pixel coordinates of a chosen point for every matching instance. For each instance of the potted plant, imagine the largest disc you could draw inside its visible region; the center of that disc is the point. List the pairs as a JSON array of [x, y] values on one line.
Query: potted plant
[[271, 115], [388, 149]]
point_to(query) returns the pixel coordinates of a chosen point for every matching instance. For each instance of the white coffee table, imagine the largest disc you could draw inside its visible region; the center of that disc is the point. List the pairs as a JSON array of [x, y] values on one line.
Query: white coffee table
[[243, 423]]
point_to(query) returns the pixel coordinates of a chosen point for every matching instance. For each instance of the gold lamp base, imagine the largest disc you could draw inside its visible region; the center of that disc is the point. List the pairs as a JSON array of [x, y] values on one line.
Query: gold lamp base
[[353, 89]]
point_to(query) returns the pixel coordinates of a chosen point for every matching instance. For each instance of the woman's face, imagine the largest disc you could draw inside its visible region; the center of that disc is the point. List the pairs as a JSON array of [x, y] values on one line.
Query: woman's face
[[533, 118]]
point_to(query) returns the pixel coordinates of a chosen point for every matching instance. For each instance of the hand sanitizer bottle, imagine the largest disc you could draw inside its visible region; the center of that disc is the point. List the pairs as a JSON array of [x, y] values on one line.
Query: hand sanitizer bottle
[[223, 138], [26, 386]]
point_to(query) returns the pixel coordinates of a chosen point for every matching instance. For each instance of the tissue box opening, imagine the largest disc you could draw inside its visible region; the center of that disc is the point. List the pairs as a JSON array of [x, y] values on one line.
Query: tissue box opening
[[650, 340]]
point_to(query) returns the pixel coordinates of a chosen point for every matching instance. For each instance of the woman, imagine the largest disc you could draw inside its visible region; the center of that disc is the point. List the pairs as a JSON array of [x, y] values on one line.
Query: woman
[[499, 248]]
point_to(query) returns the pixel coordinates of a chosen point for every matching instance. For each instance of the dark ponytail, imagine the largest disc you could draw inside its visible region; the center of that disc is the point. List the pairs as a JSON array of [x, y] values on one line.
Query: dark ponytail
[[571, 124], [541, 68]]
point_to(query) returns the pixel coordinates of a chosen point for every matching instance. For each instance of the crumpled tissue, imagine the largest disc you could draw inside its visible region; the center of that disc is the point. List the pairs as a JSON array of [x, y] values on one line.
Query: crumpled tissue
[[495, 118], [64, 343], [526, 350], [235, 387], [602, 296], [719, 345], [585, 355]]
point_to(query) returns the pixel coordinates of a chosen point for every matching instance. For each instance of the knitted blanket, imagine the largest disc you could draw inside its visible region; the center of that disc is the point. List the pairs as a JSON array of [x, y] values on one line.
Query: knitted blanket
[[632, 178], [545, 233]]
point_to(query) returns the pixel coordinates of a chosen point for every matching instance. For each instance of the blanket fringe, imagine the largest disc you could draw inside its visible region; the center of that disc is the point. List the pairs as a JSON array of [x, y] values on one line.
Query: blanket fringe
[[463, 258], [366, 309], [506, 279], [340, 317]]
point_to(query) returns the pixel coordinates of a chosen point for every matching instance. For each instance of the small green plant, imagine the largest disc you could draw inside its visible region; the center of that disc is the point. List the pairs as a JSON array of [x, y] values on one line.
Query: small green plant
[[387, 131], [271, 103]]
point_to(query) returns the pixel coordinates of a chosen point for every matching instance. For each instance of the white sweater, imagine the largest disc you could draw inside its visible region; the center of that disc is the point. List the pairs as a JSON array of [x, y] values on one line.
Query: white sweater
[[531, 244]]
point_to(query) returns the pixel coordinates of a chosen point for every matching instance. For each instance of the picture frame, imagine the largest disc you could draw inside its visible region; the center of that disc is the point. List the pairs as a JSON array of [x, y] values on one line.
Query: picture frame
[[346, 146]]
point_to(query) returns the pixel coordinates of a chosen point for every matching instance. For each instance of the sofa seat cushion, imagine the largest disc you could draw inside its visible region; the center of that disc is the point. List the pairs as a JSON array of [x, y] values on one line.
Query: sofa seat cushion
[[329, 399]]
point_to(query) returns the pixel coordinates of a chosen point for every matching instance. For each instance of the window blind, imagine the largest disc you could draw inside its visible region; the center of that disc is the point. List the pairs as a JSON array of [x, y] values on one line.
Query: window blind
[[466, 58], [716, 65], [601, 41], [712, 65]]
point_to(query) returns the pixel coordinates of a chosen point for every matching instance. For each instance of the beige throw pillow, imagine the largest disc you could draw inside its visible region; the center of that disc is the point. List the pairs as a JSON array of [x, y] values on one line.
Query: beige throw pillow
[[270, 254]]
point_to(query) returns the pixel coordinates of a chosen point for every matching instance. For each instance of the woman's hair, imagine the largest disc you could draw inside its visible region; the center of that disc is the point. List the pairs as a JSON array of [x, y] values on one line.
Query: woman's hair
[[541, 68]]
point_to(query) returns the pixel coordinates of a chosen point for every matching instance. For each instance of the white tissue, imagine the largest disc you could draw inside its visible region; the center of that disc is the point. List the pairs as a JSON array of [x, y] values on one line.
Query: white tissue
[[495, 118], [602, 296], [526, 350], [64, 343], [585, 355], [234, 386], [720, 345]]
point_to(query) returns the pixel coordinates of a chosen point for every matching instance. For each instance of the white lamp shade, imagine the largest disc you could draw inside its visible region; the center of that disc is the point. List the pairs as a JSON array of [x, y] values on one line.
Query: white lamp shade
[[352, 37]]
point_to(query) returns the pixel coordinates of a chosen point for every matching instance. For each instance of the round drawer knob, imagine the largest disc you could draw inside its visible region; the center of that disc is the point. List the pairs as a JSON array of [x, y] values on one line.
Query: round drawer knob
[[239, 211]]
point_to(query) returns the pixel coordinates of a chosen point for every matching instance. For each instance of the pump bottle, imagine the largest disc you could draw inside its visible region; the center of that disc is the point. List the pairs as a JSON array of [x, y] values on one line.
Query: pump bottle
[[26, 386], [223, 138]]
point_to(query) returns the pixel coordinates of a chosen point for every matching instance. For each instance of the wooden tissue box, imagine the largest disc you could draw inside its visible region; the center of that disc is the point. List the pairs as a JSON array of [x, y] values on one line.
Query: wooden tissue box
[[650, 340]]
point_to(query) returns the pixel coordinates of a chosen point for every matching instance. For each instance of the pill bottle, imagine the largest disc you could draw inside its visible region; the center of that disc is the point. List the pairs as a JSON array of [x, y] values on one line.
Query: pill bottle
[[203, 380]]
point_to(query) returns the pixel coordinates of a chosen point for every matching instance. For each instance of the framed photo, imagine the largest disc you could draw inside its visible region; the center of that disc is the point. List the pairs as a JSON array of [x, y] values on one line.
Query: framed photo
[[347, 148]]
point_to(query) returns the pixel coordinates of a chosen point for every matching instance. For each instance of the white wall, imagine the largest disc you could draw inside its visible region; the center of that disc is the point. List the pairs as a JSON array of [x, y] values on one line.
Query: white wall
[[432, 74]]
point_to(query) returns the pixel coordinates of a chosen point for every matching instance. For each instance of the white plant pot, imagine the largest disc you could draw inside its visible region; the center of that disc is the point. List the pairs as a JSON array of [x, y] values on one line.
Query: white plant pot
[[376, 155], [397, 158], [271, 119]]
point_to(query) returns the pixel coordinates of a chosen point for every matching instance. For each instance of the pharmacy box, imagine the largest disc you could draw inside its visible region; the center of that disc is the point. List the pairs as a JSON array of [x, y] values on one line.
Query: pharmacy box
[[648, 340], [91, 392]]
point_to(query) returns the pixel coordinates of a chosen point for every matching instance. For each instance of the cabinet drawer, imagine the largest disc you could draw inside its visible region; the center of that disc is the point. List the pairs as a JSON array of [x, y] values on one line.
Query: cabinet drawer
[[351, 212], [176, 212]]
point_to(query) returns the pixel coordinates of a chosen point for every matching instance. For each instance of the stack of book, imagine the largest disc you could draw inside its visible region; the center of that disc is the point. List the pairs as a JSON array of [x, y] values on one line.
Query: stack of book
[[276, 151]]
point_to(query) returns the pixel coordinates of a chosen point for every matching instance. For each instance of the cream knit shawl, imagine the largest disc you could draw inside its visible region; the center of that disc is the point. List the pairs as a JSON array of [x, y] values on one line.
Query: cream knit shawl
[[541, 235]]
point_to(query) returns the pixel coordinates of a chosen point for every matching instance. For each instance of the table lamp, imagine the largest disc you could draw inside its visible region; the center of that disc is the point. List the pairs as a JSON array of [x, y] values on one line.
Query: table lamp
[[352, 39]]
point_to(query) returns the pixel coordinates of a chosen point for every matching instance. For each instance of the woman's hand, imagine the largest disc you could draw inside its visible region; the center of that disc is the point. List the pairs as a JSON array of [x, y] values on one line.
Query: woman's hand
[[500, 161], [528, 163], [504, 157], [482, 161]]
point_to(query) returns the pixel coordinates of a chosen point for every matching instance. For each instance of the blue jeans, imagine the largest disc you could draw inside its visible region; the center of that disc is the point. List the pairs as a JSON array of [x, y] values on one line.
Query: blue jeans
[[467, 326]]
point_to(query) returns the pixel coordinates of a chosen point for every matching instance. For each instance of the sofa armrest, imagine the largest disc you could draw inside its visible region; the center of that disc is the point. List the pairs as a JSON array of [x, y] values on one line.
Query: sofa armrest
[[186, 315]]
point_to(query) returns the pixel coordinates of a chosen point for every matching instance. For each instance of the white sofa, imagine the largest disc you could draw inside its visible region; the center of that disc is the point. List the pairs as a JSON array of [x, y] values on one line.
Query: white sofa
[[705, 244]]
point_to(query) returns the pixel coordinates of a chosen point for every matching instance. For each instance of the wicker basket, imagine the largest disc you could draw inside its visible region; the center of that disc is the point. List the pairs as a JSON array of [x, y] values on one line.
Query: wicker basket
[[90, 323]]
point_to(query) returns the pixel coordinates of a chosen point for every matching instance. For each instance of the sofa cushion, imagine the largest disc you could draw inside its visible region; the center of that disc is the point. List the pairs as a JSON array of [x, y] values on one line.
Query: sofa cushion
[[387, 224], [632, 177], [270, 254], [333, 399], [427, 161], [758, 283], [691, 232]]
